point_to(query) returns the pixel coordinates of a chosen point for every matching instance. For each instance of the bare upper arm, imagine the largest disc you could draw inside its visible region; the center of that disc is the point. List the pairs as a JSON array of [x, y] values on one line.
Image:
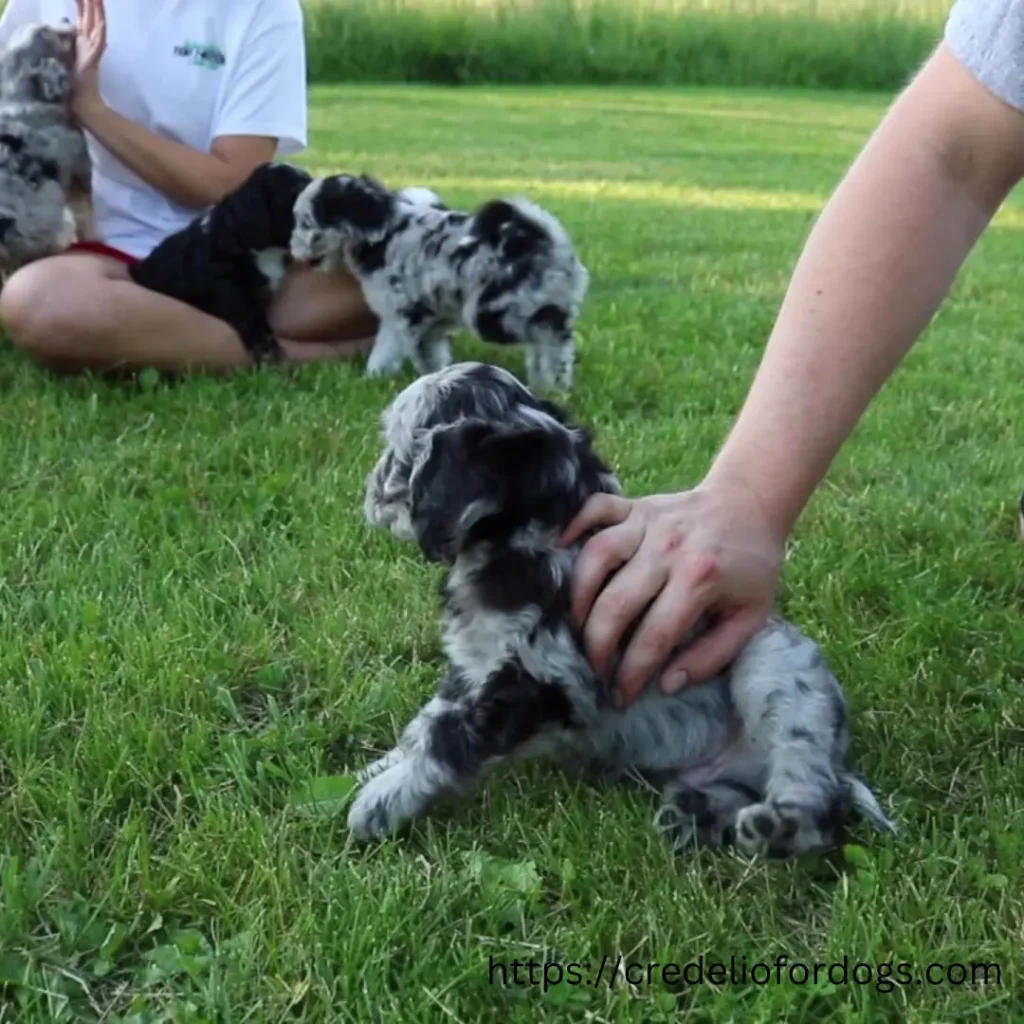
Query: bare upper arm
[[240, 156], [978, 137]]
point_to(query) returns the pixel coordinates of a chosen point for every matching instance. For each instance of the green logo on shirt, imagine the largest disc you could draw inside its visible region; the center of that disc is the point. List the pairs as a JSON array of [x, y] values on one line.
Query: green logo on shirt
[[202, 55]]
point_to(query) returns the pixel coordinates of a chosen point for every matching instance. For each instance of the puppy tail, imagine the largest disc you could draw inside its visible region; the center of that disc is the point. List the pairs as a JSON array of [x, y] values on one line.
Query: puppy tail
[[519, 229], [864, 802]]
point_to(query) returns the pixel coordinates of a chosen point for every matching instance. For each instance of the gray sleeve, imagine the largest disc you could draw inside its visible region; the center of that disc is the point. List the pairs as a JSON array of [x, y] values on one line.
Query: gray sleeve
[[987, 37]]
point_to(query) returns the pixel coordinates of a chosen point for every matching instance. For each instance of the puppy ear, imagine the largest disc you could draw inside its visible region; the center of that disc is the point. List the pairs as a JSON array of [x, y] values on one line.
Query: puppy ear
[[452, 491], [51, 80], [475, 471], [362, 203]]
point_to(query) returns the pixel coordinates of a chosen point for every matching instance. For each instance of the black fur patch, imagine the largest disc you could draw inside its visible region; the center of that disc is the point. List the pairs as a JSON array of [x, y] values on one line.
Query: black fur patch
[[476, 470], [512, 708], [6, 223], [515, 579], [370, 256], [212, 266], [504, 228], [551, 316], [490, 327], [801, 734], [417, 313], [838, 718], [362, 202]]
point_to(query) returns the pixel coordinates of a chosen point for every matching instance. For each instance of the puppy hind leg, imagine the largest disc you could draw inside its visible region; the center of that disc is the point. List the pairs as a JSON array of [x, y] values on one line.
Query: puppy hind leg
[[793, 713], [245, 309], [550, 362], [701, 816], [700, 805], [432, 352]]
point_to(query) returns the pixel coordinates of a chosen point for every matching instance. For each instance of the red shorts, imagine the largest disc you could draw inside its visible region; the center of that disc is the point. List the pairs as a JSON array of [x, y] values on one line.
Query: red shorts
[[99, 249]]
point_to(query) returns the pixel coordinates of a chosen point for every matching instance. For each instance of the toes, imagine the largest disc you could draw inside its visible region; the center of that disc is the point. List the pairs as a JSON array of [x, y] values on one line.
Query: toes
[[369, 819], [778, 831], [690, 817]]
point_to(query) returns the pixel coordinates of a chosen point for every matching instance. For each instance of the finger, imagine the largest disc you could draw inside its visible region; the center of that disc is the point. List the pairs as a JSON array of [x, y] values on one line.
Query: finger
[[101, 22], [80, 10], [622, 601], [599, 510], [600, 557], [715, 650], [666, 624]]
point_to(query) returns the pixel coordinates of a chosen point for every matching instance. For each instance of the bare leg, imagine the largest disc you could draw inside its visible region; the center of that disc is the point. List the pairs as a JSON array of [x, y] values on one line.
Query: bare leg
[[322, 306], [81, 311]]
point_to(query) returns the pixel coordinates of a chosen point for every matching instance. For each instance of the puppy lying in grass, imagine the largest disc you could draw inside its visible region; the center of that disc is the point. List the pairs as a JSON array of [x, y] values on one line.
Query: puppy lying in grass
[[230, 261], [45, 170], [484, 477]]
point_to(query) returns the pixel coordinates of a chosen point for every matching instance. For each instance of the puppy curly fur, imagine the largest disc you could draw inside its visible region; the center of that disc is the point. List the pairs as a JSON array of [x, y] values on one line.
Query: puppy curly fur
[[508, 272], [45, 170], [230, 261], [484, 476]]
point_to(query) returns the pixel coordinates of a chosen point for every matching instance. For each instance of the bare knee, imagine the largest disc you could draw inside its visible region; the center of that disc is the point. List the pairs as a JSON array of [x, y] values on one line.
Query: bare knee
[[35, 314], [46, 308]]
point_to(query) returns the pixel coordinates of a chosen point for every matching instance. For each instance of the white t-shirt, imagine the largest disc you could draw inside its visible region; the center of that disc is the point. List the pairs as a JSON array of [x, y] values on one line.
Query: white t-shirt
[[189, 70]]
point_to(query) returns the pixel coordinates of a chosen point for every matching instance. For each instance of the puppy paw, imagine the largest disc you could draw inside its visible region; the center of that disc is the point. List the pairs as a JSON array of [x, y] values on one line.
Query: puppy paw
[[781, 830], [691, 817], [374, 813], [383, 368], [397, 789]]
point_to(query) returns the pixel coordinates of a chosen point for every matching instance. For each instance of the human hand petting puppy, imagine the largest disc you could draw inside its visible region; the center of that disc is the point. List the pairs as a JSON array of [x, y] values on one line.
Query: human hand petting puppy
[[89, 48], [661, 562]]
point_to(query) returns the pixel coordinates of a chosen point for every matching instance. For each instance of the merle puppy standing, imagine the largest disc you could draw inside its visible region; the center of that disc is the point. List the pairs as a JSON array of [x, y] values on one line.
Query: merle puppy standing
[[484, 477], [508, 272], [230, 261], [45, 171]]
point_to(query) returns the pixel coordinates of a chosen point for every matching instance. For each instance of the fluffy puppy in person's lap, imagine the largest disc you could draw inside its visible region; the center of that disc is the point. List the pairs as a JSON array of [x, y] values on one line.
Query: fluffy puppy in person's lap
[[45, 170], [509, 272], [230, 261], [484, 476]]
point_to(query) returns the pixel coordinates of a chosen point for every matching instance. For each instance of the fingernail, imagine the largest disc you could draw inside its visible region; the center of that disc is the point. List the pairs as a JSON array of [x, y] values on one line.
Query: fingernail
[[674, 682]]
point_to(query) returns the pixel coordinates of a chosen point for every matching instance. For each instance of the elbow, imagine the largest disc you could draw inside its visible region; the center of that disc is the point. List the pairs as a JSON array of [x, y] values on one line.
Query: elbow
[[210, 188]]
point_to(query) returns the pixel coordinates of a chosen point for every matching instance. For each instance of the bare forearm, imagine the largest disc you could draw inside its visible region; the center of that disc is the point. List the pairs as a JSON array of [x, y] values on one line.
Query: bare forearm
[[875, 268], [186, 175]]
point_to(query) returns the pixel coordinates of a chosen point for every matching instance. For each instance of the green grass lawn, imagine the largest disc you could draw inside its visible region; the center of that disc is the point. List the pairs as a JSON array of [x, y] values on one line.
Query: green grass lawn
[[196, 622]]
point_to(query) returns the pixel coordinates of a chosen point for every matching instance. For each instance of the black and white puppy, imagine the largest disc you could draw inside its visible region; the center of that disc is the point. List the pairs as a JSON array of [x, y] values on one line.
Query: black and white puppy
[[230, 261], [509, 273], [45, 170], [484, 476]]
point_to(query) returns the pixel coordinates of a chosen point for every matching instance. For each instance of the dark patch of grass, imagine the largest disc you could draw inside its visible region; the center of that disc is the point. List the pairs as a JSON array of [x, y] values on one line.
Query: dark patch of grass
[[834, 45]]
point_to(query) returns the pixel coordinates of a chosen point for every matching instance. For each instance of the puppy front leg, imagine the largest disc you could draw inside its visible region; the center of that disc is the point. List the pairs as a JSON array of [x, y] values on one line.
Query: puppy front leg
[[452, 741], [390, 350], [403, 783]]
